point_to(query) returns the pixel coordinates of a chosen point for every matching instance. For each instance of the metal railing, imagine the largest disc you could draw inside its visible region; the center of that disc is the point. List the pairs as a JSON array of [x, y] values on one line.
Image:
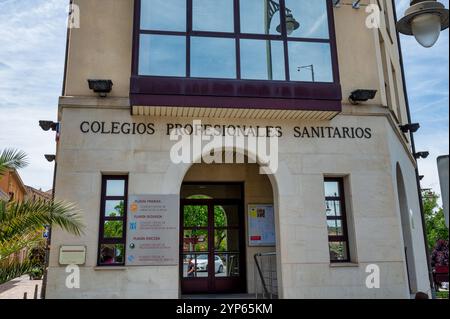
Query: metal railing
[[265, 276]]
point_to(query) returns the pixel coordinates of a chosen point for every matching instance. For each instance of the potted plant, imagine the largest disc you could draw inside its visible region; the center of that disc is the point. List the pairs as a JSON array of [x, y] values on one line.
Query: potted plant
[[36, 273]]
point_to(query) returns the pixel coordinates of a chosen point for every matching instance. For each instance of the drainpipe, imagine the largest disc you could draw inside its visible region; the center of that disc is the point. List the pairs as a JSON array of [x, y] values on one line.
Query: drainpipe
[[413, 149]]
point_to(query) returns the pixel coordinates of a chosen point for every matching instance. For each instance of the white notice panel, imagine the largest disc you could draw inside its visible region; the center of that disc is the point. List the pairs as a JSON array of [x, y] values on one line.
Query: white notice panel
[[261, 225], [152, 230]]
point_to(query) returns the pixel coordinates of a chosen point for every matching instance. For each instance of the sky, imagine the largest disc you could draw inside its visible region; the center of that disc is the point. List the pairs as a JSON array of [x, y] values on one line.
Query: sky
[[32, 47]]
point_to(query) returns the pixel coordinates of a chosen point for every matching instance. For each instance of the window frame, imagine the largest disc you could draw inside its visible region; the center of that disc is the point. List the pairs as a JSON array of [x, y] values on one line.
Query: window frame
[[112, 241], [343, 218], [148, 90]]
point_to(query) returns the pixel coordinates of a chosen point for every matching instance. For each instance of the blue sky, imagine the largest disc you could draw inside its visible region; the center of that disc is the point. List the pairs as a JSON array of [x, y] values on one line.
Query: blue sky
[[32, 44]]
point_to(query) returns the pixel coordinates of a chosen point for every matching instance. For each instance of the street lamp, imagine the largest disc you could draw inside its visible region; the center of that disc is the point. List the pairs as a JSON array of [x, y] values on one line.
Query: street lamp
[[310, 67], [425, 19], [273, 7], [270, 8]]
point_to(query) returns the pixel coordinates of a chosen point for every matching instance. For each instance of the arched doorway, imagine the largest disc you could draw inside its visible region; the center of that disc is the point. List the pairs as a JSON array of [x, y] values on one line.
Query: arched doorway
[[406, 231], [215, 253]]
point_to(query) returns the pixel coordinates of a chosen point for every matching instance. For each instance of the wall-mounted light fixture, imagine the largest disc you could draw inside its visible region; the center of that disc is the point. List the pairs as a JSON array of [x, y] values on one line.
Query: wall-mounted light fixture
[[412, 127], [48, 125], [361, 95], [423, 155], [50, 157], [425, 19], [102, 87]]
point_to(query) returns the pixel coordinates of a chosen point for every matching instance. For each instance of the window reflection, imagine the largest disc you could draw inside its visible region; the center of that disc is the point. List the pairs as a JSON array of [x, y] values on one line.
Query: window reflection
[[226, 240], [162, 55], [115, 187], [335, 227], [195, 216], [227, 265], [213, 58], [195, 240], [167, 33], [163, 15], [331, 189], [312, 16], [213, 15], [111, 254], [333, 207], [259, 17], [114, 208], [113, 229], [262, 60], [338, 251], [310, 62]]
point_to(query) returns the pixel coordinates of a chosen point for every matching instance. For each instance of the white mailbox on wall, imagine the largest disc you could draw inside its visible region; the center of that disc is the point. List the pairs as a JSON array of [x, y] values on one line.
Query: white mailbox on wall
[[72, 255]]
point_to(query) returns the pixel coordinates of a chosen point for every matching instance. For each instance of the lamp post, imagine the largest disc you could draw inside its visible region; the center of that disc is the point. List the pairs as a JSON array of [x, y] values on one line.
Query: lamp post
[[270, 8], [311, 67], [400, 28], [425, 19]]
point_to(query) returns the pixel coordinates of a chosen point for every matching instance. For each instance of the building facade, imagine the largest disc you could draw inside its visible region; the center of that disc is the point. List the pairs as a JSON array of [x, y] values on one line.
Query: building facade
[[12, 187], [35, 194], [339, 212]]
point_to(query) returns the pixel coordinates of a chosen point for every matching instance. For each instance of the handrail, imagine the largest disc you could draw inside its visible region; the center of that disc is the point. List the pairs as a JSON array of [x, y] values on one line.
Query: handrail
[[261, 275]]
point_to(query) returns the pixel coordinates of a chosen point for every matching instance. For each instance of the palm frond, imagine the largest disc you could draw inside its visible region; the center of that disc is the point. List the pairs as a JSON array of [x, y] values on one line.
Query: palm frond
[[12, 159], [19, 219], [18, 243], [12, 268]]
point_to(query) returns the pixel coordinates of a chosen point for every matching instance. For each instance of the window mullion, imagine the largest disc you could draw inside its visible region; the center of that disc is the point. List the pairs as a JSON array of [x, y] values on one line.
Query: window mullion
[[188, 37], [237, 32], [284, 37]]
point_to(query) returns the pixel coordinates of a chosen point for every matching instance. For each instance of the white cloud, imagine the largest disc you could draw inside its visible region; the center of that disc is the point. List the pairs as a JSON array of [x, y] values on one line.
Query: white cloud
[[32, 44]]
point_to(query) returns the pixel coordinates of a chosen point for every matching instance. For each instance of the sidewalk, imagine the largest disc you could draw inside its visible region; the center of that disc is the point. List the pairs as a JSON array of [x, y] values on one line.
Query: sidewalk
[[16, 288]]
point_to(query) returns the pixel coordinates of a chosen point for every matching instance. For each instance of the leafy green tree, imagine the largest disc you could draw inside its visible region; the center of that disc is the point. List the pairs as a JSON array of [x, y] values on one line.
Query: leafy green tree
[[434, 219], [197, 216], [114, 228], [22, 224]]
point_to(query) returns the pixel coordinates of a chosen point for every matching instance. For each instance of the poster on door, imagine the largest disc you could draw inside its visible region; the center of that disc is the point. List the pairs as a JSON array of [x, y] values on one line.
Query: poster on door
[[152, 230], [261, 225]]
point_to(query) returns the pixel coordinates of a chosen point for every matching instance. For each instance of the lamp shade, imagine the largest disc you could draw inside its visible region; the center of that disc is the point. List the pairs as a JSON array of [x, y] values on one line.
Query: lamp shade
[[291, 24], [424, 19], [426, 28]]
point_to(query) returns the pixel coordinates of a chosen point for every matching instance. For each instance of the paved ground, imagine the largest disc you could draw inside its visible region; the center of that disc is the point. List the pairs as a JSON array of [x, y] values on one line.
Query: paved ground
[[16, 288]]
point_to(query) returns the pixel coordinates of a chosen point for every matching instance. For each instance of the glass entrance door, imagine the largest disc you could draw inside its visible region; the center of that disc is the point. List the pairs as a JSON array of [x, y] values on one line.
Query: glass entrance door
[[212, 248]]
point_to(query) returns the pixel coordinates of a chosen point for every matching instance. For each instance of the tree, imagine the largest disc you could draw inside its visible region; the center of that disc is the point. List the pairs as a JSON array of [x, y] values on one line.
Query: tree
[[434, 219], [22, 224], [197, 216], [12, 159], [114, 228]]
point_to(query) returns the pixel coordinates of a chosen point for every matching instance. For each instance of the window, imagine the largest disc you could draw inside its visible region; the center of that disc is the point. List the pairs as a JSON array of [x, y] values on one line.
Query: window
[[336, 220], [113, 212], [236, 39], [259, 54]]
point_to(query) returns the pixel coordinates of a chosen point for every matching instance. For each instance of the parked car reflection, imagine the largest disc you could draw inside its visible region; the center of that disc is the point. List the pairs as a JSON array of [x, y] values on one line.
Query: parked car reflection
[[202, 264]]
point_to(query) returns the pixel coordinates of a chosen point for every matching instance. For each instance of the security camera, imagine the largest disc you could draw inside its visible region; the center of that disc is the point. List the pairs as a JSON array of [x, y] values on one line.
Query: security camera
[[48, 125]]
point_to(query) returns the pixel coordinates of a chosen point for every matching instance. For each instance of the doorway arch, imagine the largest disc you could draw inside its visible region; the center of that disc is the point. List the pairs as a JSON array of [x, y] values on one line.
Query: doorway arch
[[230, 188], [406, 225]]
